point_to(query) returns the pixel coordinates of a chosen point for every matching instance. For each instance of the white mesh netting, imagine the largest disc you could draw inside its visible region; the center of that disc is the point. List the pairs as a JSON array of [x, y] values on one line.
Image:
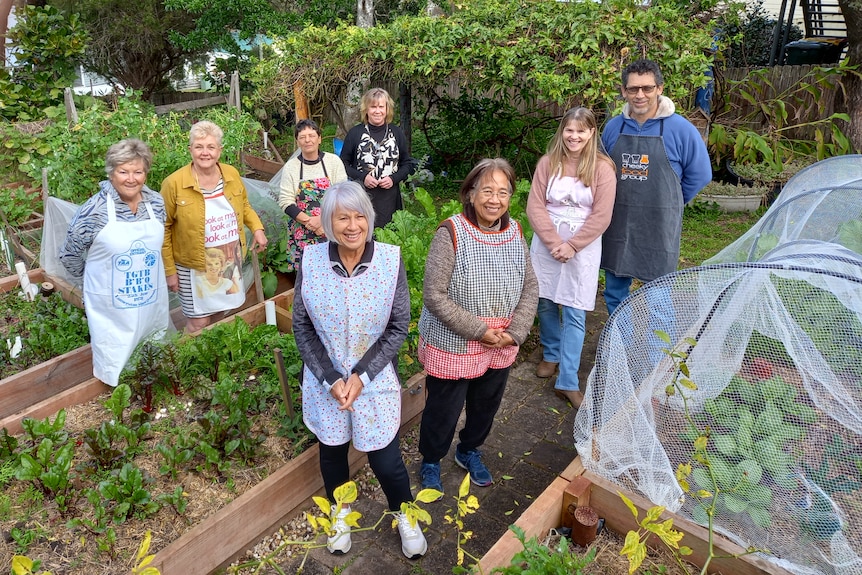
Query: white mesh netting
[[822, 202], [778, 368]]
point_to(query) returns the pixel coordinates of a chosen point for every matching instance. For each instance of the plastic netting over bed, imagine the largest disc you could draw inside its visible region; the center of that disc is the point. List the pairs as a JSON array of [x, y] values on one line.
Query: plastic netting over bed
[[823, 202], [778, 369]]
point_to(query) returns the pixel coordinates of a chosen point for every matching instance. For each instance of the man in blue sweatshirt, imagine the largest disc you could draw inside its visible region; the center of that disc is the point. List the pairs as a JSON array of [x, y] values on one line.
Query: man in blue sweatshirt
[[662, 163]]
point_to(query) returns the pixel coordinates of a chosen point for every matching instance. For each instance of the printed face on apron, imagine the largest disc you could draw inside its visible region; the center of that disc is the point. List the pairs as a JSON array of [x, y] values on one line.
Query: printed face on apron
[[219, 286]]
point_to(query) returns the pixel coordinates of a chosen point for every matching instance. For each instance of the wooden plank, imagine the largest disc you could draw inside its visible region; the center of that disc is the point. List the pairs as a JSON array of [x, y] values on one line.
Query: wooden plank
[[49, 407], [191, 104], [574, 469], [604, 498], [9, 283], [542, 515], [40, 382], [227, 534]]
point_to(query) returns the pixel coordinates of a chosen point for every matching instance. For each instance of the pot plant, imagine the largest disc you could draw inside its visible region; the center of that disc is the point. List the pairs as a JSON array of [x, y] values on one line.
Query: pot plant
[[734, 197]]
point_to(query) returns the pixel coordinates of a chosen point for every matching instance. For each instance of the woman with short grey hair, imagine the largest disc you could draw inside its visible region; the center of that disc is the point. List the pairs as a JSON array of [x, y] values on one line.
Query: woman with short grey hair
[[351, 312], [113, 247]]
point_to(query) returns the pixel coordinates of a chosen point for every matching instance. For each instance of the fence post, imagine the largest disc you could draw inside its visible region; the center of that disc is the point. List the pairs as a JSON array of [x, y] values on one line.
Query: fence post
[[71, 111], [233, 97]]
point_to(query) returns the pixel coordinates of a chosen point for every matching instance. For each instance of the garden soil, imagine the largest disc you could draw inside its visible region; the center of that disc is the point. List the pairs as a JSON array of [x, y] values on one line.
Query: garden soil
[[531, 442]]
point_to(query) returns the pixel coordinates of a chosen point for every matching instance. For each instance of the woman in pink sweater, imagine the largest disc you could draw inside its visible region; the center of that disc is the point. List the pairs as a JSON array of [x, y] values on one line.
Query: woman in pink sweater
[[570, 205]]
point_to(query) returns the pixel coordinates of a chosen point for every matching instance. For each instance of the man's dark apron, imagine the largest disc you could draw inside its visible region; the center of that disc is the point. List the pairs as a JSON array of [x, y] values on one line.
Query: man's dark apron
[[643, 239]]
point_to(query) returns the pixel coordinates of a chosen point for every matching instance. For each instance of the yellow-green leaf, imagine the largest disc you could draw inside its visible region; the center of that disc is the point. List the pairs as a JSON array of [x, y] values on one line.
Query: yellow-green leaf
[[144, 548], [629, 504], [346, 493], [428, 495], [322, 504], [464, 488]]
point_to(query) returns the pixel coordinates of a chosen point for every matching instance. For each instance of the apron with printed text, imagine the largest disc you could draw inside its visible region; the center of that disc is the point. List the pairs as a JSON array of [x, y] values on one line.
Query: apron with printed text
[[642, 240], [574, 283], [221, 232], [125, 293], [350, 314]]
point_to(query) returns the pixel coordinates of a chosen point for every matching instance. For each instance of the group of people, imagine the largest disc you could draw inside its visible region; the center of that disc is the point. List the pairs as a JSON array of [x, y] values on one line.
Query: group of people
[[619, 210]]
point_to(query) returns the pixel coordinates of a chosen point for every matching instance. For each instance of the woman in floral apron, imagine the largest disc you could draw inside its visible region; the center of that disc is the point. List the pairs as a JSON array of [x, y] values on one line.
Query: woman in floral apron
[[304, 178]]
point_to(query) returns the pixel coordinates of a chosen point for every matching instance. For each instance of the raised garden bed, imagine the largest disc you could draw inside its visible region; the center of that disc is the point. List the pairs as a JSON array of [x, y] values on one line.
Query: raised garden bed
[[576, 487], [43, 390], [230, 531]]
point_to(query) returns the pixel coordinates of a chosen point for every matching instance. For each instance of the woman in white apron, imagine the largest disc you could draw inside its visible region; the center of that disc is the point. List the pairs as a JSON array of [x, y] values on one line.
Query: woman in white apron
[[114, 246], [570, 206], [207, 210], [351, 313]]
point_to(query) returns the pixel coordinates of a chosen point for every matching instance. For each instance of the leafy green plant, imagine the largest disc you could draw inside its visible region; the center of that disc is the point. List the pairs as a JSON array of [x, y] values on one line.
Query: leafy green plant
[[126, 489], [175, 455], [17, 205], [47, 44], [119, 401], [538, 559], [37, 430], [176, 499], [48, 468], [773, 133]]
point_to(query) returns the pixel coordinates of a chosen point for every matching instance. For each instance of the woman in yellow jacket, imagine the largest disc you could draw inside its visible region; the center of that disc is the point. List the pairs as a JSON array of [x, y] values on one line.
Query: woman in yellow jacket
[[206, 208]]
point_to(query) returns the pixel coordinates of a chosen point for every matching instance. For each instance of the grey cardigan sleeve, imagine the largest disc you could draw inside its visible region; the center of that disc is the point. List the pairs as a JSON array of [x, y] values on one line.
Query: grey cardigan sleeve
[[438, 273], [385, 350], [439, 267], [311, 348]]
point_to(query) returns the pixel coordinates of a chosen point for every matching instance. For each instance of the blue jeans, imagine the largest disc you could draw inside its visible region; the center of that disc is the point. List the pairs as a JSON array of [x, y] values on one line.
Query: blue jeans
[[555, 328], [616, 290]]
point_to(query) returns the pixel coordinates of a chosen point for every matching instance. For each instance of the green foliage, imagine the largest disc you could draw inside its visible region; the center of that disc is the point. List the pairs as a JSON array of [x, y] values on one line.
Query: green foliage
[[538, 559], [48, 327], [126, 489], [75, 156], [17, 205], [130, 42], [47, 46], [119, 401], [465, 129], [48, 468], [773, 133], [176, 453], [563, 52], [176, 499]]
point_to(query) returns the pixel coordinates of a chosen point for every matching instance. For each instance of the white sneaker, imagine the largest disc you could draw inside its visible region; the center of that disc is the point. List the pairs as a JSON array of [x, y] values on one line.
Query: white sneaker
[[339, 543], [413, 543]]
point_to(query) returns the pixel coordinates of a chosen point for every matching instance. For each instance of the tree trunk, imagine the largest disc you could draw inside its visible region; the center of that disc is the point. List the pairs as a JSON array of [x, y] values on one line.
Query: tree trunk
[[5, 10], [852, 11], [358, 84]]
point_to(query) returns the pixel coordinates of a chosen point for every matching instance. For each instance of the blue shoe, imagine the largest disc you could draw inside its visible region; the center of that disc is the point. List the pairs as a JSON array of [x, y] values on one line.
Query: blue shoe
[[429, 476], [472, 462]]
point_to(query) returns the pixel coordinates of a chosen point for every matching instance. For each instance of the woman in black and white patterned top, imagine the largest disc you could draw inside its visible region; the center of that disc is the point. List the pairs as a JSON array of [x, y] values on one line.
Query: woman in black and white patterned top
[[376, 154]]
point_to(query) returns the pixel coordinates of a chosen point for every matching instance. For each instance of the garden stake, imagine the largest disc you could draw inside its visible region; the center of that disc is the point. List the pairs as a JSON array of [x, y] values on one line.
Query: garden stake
[[285, 386], [258, 285]]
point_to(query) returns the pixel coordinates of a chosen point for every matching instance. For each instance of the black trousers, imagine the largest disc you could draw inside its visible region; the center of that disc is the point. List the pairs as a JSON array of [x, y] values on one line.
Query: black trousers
[[446, 398], [386, 463]]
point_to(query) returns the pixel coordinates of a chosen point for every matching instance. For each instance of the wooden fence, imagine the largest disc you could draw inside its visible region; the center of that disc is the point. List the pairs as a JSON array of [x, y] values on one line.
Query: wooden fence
[[768, 84]]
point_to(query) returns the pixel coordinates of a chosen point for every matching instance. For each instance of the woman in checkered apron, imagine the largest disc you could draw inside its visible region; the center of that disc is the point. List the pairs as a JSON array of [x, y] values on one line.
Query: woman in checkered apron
[[480, 297]]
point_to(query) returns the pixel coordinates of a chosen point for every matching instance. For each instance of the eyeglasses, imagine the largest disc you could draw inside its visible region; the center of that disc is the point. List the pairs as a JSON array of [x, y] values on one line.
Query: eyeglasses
[[488, 194], [647, 90]]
